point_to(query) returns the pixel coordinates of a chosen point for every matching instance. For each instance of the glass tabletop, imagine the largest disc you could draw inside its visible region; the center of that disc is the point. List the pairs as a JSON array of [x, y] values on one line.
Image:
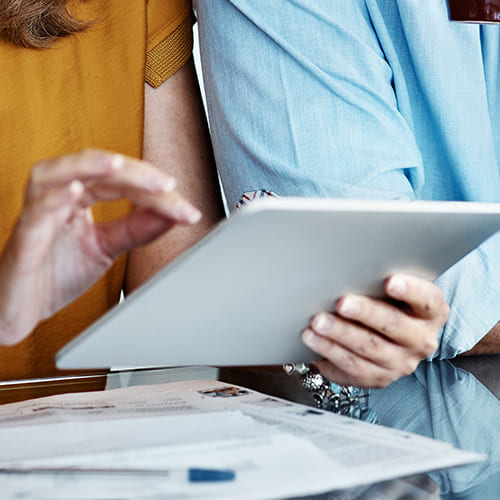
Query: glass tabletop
[[457, 402]]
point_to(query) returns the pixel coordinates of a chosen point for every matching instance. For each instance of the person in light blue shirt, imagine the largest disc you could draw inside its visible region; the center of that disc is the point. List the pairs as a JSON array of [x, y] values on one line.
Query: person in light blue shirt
[[380, 99]]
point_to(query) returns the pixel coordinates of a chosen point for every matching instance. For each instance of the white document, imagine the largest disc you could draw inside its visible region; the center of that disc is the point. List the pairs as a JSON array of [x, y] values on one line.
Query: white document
[[277, 448]]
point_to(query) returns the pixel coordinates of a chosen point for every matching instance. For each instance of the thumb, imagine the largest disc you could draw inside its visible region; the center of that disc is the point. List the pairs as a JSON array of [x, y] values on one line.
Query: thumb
[[136, 229]]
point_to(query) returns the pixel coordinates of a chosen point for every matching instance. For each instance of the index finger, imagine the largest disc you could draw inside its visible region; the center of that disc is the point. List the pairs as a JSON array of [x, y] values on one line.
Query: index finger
[[95, 165]]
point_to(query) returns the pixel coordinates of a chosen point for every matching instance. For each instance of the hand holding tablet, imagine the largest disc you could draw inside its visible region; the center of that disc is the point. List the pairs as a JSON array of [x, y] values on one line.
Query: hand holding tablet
[[371, 342]]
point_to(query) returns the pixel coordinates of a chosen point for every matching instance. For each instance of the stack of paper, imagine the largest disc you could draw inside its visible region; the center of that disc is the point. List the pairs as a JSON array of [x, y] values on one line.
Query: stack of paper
[[276, 448]]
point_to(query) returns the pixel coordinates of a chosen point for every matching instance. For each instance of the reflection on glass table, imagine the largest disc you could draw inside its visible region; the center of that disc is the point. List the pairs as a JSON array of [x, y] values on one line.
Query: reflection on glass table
[[21, 390], [445, 402], [454, 402]]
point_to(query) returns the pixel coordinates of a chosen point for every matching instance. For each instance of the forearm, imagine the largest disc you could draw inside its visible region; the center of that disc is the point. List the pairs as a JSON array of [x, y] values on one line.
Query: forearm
[[489, 344], [176, 140]]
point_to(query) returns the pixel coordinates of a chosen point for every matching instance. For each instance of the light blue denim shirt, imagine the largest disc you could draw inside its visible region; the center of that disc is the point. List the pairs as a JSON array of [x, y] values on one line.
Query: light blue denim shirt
[[361, 99]]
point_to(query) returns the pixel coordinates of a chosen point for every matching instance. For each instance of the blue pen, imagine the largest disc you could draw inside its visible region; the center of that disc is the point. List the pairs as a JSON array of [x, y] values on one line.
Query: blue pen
[[193, 475]]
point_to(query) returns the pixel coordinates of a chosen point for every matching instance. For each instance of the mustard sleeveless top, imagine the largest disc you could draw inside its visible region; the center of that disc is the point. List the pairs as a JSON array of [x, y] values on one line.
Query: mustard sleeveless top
[[85, 91]]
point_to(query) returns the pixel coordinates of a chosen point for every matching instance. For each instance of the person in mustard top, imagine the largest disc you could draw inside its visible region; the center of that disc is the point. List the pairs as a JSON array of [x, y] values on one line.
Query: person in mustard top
[[100, 112]]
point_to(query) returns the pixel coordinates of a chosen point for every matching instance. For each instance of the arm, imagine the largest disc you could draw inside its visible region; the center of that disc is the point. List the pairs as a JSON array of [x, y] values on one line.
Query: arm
[[176, 140], [310, 109]]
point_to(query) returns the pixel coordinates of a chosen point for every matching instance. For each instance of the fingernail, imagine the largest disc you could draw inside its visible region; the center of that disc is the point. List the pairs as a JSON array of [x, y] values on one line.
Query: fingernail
[[349, 306], [186, 211], [310, 338], [169, 185], [323, 322], [76, 188], [117, 162], [195, 216], [397, 287]]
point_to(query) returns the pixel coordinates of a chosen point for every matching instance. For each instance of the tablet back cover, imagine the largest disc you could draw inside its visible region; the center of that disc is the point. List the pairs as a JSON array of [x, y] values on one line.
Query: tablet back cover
[[243, 294]]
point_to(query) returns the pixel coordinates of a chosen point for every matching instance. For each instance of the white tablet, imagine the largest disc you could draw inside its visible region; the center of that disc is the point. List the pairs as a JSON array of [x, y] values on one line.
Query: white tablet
[[242, 295]]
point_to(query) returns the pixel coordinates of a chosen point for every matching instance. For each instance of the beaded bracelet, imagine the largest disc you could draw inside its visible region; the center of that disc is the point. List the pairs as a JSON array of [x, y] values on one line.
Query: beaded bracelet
[[344, 400]]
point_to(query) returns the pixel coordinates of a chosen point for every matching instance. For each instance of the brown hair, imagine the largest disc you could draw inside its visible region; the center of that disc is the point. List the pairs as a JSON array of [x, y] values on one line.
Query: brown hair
[[37, 23]]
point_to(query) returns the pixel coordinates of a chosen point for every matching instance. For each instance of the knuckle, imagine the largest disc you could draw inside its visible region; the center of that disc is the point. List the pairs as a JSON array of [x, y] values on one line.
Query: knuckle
[[429, 345], [433, 303], [436, 303], [409, 367], [445, 312], [37, 171], [392, 323], [374, 346], [371, 347]]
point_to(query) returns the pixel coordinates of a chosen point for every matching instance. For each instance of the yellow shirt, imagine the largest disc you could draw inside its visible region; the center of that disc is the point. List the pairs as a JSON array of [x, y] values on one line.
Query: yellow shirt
[[85, 91]]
